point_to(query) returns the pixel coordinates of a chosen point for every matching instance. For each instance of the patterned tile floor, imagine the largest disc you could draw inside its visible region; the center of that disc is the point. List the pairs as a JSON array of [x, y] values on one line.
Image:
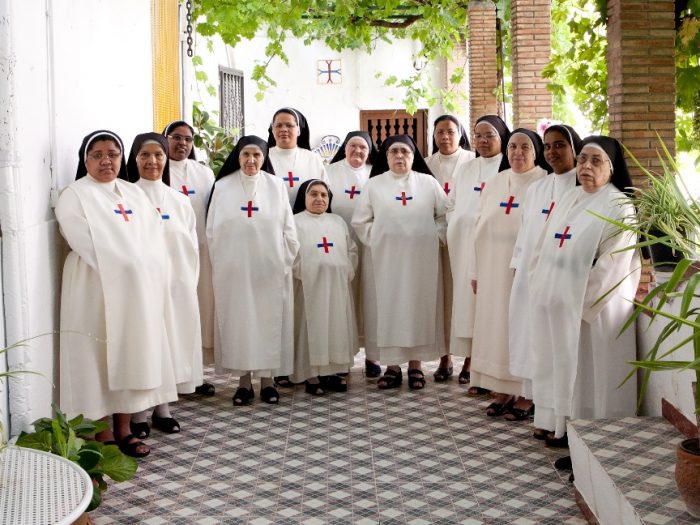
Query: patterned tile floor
[[366, 456]]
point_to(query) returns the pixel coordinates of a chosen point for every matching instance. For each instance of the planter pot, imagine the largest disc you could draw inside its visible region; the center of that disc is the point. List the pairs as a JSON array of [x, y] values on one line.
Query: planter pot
[[688, 474], [663, 257]]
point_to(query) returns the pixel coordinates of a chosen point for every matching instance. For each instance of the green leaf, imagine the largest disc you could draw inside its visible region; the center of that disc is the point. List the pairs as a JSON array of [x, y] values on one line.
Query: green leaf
[[117, 465], [37, 440]]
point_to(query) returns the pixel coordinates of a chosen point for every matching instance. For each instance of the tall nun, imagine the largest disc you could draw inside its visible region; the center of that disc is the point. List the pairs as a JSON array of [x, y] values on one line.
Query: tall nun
[[401, 218], [290, 155], [580, 357], [491, 136], [253, 243]]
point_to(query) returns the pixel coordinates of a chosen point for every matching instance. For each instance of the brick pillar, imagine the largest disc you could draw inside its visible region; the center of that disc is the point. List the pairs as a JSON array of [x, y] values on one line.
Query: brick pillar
[[641, 78], [459, 60], [483, 78], [530, 48]]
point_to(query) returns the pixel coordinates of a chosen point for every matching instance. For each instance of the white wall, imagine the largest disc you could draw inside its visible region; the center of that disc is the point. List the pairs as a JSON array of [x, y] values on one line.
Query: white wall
[[330, 109], [84, 65]]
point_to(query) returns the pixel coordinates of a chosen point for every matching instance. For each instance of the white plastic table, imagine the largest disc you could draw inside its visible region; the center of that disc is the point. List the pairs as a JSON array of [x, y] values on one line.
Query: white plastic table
[[38, 488]]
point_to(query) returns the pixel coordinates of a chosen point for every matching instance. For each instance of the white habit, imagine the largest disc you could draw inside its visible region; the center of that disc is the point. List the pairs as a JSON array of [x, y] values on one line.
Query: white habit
[[401, 218], [182, 307], [540, 201], [579, 360], [495, 232], [114, 347], [347, 183], [445, 167], [295, 166], [196, 180], [324, 318], [462, 208], [252, 243]]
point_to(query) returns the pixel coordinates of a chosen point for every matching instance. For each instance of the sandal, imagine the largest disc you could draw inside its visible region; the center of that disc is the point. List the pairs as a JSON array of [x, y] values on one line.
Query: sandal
[[140, 430], [315, 389], [442, 373], [336, 383], [169, 425], [518, 414], [390, 379], [372, 369], [554, 442], [540, 433], [283, 381], [498, 409], [464, 377], [270, 395], [477, 391], [205, 389], [243, 396], [416, 379], [131, 448], [564, 463]]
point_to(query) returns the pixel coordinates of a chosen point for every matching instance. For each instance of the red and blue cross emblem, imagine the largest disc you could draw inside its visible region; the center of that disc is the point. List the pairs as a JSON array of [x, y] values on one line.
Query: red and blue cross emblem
[[403, 198], [163, 216], [124, 213], [446, 187], [291, 178], [352, 192], [480, 187], [186, 191], [563, 236], [548, 211], [325, 245], [249, 208], [510, 204]]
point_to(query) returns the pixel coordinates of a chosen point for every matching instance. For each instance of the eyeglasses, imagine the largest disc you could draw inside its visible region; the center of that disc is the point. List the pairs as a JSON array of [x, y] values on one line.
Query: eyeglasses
[[180, 138], [399, 151], [487, 136], [98, 156], [448, 132], [596, 162]]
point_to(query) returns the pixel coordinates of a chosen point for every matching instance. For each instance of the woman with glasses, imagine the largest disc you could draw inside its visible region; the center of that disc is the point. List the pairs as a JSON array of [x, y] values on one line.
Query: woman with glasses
[[114, 349], [195, 180], [451, 151], [490, 139], [580, 357], [561, 145], [401, 218]]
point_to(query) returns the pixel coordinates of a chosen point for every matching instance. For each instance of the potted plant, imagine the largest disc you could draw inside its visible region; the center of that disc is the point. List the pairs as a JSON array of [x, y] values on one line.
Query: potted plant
[[668, 216], [70, 438]]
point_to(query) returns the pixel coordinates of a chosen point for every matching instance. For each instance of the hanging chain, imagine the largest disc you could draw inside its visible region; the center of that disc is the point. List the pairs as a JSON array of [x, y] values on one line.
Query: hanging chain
[[189, 28]]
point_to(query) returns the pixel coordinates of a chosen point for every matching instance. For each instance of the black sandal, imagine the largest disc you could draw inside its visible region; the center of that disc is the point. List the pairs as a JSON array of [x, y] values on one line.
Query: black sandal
[[169, 425], [372, 369], [416, 379], [205, 389], [554, 442], [477, 391], [315, 389], [242, 396], [283, 381], [390, 379], [540, 433], [442, 373], [518, 414], [140, 430], [464, 377], [336, 383], [270, 395], [131, 448], [498, 409]]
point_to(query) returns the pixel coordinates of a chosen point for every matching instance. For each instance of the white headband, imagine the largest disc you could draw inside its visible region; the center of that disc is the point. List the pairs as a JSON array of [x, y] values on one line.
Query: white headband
[[99, 134], [532, 145], [600, 148]]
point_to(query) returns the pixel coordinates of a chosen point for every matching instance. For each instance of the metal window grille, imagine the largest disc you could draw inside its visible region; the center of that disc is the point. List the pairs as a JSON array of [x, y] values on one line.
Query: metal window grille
[[231, 115]]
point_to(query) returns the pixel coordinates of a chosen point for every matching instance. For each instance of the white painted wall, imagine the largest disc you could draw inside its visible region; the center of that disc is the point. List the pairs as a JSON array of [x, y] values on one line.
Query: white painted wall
[[84, 65], [330, 109]]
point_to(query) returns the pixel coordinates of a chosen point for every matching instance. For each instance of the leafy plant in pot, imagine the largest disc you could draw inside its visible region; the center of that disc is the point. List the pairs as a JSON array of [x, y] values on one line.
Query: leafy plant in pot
[[70, 438], [666, 208]]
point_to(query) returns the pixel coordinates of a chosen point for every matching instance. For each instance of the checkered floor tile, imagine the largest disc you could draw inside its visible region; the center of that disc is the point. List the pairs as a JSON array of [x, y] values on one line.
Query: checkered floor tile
[[366, 457]]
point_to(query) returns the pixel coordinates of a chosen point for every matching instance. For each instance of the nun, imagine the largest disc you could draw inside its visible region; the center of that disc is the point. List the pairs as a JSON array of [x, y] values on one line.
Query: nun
[[583, 279], [495, 232], [252, 243], [490, 138], [290, 151], [348, 173], [195, 180], [401, 217], [325, 335], [561, 145], [451, 151], [114, 354], [148, 167]]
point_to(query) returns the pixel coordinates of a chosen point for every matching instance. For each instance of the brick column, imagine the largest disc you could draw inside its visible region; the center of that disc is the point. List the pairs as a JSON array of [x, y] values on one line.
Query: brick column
[[459, 60], [530, 48], [641, 78], [483, 78]]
